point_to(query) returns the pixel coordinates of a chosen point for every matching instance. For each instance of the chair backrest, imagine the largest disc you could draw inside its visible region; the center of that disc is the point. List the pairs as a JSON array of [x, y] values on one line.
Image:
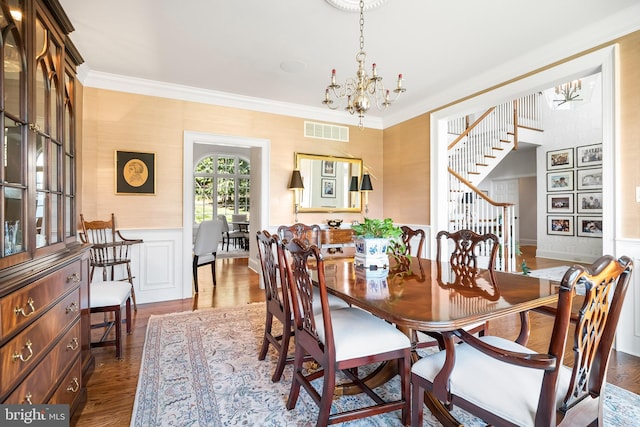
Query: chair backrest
[[301, 288], [238, 217], [98, 232], [309, 234], [208, 237], [408, 238], [225, 224], [606, 282], [468, 246], [273, 272]]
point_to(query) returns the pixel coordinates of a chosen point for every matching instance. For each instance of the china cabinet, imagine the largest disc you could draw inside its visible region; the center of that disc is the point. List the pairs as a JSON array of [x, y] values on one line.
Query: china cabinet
[[44, 342]]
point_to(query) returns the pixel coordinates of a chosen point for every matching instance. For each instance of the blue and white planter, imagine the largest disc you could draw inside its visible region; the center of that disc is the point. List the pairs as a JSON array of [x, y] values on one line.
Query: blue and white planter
[[371, 255]]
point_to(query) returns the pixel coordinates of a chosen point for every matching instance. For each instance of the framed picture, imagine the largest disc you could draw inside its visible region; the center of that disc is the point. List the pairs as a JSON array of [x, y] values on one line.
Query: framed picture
[[589, 179], [590, 226], [560, 159], [589, 203], [328, 187], [328, 168], [560, 181], [589, 155], [135, 172], [560, 225], [560, 203]]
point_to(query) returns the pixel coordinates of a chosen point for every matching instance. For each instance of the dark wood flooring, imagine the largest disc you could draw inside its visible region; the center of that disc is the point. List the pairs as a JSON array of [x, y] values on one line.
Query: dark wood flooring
[[112, 386]]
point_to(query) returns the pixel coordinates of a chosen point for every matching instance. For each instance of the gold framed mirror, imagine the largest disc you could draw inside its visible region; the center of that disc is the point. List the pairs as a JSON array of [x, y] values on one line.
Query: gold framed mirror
[[327, 181]]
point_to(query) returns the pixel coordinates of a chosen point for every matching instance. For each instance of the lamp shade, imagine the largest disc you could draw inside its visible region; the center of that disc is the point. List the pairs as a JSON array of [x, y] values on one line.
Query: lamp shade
[[366, 183], [296, 181], [354, 184]]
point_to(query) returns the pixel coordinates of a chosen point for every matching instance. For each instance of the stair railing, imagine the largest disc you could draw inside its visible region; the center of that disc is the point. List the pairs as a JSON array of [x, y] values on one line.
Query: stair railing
[[471, 209]]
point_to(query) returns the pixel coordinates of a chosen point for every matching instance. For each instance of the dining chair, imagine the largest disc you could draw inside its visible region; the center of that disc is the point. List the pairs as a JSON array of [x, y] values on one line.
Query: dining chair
[[109, 249], [310, 234], [228, 234], [505, 383], [205, 248], [278, 300], [109, 297], [409, 238], [339, 340]]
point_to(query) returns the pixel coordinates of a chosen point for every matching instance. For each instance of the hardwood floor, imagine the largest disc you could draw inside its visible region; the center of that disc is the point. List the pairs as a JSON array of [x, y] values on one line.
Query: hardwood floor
[[112, 385]]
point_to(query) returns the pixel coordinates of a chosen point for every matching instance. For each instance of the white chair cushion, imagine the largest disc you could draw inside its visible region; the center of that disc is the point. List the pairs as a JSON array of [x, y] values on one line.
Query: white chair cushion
[[105, 294], [335, 303], [357, 333], [506, 390]]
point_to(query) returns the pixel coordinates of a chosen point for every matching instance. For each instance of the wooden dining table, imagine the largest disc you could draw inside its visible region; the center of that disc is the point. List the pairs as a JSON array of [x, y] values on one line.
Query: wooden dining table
[[435, 297]]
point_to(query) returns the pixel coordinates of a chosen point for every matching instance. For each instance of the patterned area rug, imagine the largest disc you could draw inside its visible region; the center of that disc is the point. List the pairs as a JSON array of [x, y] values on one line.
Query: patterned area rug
[[232, 252], [201, 369]]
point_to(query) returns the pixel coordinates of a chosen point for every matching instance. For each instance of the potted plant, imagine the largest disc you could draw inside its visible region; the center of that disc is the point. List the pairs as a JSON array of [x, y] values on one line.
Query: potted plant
[[371, 239]]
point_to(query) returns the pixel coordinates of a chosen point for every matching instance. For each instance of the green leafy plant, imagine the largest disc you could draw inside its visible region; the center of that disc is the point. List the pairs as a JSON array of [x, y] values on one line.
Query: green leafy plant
[[376, 228]]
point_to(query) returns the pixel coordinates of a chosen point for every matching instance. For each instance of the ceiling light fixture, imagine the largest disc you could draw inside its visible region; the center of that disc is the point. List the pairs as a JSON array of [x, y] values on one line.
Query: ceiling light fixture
[[568, 92], [362, 91]]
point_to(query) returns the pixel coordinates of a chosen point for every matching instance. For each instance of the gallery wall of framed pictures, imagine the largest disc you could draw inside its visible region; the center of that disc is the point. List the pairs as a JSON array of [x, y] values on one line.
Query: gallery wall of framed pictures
[[574, 191]]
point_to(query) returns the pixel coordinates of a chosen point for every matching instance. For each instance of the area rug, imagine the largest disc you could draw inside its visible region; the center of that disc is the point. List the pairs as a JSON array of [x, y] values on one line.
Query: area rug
[[201, 369], [232, 252], [553, 273]]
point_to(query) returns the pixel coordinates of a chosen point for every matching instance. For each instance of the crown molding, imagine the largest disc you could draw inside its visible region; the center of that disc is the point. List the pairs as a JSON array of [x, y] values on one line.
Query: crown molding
[[119, 83]]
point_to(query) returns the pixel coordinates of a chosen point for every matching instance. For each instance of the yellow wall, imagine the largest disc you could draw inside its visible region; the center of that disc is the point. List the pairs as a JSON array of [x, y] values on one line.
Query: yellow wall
[[114, 120], [407, 188], [129, 122]]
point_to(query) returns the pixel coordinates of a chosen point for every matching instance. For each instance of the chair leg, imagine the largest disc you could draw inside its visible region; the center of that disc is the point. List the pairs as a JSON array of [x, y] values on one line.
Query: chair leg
[[133, 290], [294, 392], [213, 269], [128, 308], [284, 349], [195, 272], [328, 388], [417, 404], [118, 315], [267, 331]]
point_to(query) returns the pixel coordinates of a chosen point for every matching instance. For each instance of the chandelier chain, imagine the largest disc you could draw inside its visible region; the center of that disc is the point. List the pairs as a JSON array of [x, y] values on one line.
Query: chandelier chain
[[361, 25]]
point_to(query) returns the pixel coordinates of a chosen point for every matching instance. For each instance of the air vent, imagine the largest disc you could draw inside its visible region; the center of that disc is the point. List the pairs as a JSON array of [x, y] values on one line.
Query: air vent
[[325, 131]]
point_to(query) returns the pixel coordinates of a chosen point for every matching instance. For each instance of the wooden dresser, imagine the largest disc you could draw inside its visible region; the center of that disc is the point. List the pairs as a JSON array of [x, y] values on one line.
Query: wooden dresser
[[43, 331], [334, 240]]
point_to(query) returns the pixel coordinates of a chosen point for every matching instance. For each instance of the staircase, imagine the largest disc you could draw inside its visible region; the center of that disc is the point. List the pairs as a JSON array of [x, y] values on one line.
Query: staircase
[[478, 145]]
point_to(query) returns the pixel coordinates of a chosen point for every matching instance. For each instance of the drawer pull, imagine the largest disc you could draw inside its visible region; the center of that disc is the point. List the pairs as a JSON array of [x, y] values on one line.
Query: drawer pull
[[75, 385], [27, 399], [73, 345], [73, 307], [20, 310], [73, 278], [19, 356]]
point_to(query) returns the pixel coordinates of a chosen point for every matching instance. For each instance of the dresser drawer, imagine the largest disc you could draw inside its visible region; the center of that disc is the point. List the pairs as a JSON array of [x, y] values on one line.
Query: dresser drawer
[[69, 389], [19, 354], [44, 378], [20, 307]]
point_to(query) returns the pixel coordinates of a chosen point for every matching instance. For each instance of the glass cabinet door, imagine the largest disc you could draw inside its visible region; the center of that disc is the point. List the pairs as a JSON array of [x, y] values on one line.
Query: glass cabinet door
[[13, 177]]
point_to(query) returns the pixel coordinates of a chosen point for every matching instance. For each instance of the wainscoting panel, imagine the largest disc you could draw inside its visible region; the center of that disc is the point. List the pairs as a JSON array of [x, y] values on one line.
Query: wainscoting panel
[[628, 336]]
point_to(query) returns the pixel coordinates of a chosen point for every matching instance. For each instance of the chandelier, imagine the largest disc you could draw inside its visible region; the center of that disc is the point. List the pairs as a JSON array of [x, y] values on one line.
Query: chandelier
[[568, 92], [361, 92]]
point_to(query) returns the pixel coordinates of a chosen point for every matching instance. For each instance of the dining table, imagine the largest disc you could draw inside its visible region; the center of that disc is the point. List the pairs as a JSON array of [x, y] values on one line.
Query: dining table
[[439, 298]]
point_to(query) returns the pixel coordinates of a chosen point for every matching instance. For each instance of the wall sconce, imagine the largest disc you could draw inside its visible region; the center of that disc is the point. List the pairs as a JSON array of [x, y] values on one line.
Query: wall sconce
[[296, 185], [353, 189], [366, 187]]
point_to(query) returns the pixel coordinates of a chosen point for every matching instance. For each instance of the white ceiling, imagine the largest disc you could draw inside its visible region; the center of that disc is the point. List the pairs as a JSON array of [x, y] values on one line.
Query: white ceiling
[[445, 49]]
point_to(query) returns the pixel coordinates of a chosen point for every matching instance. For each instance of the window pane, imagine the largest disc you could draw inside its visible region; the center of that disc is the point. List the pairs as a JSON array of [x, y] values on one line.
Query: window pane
[[41, 220], [243, 196], [68, 216], [41, 93], [54, 169], [226, 196], [13, 158], [226, 165], [40, 164], [14, 220], [243, 167], [55, 237], [12, 76], [203, 195]]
